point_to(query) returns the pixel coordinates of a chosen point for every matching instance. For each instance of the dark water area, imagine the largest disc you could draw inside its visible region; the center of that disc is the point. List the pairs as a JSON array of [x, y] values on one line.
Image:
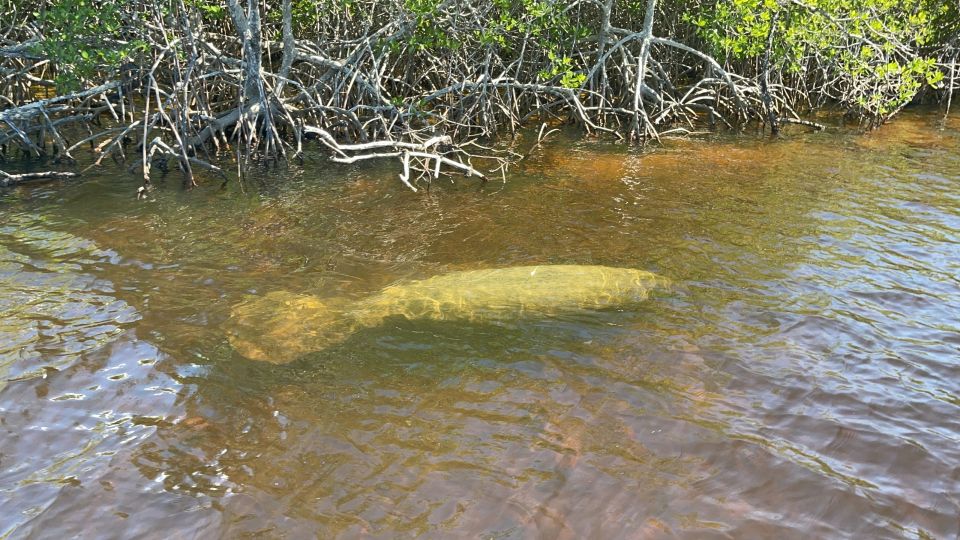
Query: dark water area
[[799, 379]]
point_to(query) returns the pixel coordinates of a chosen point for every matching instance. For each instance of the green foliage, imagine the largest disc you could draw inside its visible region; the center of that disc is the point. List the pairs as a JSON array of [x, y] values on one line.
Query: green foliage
[[872, 55], [306, 15], [427, 34], [872, 46], [540, 19], [84, 37], [544, 23], [540, 27], [562, 67], [211, 10]]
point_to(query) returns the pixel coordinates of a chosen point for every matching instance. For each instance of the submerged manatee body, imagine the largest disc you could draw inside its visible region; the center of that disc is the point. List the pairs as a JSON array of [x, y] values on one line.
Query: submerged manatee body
[[281, 326]]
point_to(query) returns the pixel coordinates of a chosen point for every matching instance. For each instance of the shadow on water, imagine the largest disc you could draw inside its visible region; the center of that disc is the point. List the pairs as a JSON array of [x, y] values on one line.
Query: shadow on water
[[798, 380]]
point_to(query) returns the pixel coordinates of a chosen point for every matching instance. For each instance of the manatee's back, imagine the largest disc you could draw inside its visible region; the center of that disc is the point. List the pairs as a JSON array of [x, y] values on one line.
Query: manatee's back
[[495, 294]]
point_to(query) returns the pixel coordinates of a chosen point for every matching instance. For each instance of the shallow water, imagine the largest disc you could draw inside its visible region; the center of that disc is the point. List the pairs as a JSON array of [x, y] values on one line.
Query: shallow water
[[801, 378]]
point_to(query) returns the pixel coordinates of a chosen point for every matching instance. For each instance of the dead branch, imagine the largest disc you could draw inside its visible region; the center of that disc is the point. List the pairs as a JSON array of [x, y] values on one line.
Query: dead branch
[[7, 179]]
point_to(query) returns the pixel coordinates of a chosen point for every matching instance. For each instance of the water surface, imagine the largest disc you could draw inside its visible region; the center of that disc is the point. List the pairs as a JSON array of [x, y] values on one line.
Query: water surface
[[800, 379]]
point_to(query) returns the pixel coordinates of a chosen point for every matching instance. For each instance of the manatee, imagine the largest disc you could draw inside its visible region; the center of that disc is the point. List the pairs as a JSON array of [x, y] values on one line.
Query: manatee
[[282, 326]]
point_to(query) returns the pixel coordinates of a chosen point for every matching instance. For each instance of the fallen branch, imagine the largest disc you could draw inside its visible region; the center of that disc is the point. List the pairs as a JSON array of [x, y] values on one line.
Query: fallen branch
[[7, 179], [402, 149], [797, 121]]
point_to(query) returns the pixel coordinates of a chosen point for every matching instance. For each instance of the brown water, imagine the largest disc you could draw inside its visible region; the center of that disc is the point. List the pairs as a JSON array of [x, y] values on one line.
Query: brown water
[[800, 379]]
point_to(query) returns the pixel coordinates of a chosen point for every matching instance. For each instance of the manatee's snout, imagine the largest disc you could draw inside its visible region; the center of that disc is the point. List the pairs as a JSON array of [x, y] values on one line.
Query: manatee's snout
[[654, 281], [248, 349], [280, 326]]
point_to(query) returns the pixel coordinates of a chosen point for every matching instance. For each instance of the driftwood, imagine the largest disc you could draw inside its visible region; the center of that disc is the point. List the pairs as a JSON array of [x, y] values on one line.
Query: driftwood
[[799, 122], [7, 179]]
